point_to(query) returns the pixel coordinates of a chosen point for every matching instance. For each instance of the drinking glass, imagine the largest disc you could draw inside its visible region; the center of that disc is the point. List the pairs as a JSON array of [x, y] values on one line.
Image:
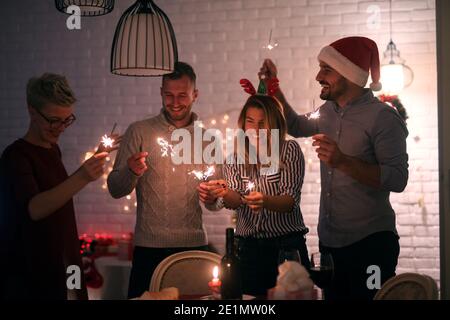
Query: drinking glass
[[321, 271]]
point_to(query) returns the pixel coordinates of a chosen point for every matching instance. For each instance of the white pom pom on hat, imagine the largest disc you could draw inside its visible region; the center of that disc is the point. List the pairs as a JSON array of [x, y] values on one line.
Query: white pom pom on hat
[[375, 86], [353, 58]]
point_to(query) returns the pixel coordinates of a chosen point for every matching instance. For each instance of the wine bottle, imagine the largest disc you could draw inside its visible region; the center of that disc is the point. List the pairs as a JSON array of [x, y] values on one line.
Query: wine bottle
[[230, 270]]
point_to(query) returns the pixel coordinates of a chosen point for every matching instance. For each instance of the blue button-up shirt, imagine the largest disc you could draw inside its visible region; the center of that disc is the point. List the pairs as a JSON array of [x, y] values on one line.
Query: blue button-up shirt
[[373, 132]]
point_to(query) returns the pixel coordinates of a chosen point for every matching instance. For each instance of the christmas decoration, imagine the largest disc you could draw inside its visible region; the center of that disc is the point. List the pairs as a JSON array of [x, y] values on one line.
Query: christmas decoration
[[394, 102], [265, 89], [100, 245], [93, 278], [88, 250]]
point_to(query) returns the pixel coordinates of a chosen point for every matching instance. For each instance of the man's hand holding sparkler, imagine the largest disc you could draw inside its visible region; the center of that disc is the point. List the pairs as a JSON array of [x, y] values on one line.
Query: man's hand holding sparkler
[[328, 150], [363, 172], [268, 70], [137, 163]]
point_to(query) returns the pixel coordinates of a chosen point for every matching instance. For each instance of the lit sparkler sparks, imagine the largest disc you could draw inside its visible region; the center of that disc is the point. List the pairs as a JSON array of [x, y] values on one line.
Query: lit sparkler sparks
[[107, 141], [316, 112], [166, 148], [203, 175], [270, 46], [250, 187], [314, 115]]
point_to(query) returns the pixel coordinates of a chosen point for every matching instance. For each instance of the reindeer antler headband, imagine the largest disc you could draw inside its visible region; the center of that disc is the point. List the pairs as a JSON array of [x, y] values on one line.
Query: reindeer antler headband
[[271, 89]]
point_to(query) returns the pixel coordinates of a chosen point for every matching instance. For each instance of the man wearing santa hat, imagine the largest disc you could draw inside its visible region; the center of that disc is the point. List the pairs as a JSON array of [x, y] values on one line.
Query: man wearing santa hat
[[361, 143]]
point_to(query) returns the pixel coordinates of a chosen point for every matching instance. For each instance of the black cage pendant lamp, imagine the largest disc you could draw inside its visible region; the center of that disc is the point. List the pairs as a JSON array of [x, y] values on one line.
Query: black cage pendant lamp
[[144, 43], [89, 8]]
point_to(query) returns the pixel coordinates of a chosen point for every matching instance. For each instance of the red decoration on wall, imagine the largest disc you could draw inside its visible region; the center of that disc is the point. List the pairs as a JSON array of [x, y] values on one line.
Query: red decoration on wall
[[100, 245], [394, 102]]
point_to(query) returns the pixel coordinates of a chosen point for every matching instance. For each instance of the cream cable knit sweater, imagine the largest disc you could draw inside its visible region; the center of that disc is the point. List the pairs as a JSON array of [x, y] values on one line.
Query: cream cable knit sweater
[[168, 209]]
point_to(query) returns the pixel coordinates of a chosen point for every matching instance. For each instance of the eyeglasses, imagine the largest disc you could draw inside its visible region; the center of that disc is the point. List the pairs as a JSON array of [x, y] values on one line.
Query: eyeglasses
[[56, 124]]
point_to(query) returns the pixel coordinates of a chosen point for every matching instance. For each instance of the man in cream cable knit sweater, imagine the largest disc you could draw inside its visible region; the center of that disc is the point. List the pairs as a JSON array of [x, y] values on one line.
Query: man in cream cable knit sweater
[[169, 216]]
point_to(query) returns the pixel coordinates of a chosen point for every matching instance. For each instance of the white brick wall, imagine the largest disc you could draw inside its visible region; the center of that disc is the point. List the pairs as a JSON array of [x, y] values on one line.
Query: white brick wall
[[223, 40]]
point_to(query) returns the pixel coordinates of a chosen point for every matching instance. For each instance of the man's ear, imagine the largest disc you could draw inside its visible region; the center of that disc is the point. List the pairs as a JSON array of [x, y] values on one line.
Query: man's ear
[[195, 94]]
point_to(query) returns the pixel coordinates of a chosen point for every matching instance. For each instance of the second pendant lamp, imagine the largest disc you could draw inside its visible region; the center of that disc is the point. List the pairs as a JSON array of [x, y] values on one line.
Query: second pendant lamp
[[144, 42]]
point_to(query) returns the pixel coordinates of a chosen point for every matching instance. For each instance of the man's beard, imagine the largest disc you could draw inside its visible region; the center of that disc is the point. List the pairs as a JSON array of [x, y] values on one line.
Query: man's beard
[[325, 95], [331, 95], [179, 115]]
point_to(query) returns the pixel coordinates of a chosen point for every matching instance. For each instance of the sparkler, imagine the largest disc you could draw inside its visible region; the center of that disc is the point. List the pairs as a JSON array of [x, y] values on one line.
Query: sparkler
[[107, 141], [315, 114], [270, 45], [88, 155], [249, 188], [166, 148], [203, 175], [114, 127]]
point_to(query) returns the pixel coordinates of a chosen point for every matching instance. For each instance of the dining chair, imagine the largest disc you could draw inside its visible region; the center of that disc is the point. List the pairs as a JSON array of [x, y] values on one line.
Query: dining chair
[[189, 271], [408, 286]]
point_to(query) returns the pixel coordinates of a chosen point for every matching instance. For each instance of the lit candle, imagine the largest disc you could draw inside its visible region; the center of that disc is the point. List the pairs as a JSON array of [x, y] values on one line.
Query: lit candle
[[215, 283]]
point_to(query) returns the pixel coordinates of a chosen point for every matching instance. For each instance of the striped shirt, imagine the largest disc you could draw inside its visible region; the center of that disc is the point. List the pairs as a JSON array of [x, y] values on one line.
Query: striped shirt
[[287, 181]]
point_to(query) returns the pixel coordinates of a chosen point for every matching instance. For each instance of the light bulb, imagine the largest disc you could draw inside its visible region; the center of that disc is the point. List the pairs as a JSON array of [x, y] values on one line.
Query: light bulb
[[392, 78]]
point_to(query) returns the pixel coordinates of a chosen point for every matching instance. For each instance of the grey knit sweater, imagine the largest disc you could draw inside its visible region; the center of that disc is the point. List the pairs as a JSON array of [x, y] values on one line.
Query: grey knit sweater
[[168, 210]]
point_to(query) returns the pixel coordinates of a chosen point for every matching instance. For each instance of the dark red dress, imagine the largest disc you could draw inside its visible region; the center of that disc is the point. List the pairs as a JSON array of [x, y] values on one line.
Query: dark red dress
[[38, 252]]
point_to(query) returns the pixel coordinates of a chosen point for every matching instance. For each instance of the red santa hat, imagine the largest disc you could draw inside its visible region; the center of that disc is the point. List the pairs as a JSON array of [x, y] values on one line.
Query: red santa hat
[[353, 57]]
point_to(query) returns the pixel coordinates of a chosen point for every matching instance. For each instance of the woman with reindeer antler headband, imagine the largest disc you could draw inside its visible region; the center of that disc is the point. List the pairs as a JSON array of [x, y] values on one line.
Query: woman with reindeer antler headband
[[265, 195]]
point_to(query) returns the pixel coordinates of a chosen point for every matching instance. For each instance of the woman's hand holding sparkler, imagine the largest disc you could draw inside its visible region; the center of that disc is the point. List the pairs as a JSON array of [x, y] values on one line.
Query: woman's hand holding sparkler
[[137, 163], [93, 168], [208, 192], [218, 187], [255, 200], [109, 142]]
